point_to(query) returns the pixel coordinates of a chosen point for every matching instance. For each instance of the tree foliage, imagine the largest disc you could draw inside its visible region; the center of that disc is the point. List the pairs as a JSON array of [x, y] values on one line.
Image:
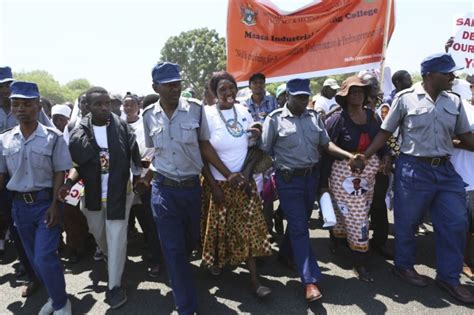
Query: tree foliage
[[199, 52], [52, 89]]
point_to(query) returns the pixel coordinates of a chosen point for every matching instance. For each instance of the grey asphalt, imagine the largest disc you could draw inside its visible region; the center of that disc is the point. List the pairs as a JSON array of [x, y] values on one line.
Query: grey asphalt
[[230, 293]]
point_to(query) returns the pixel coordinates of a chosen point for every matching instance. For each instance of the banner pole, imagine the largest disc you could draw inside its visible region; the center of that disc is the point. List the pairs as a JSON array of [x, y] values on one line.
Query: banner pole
[[385, 39]]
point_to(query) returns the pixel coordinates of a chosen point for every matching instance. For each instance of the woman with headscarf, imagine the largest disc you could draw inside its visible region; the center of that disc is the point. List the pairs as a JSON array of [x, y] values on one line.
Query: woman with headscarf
[[234, 230], [352, 129]]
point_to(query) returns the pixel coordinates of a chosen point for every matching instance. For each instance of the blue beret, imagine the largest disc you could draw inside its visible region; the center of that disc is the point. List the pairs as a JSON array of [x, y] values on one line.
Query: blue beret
[[22, 89], [440, 62], [165, 72], [298, 87], [6, 74]]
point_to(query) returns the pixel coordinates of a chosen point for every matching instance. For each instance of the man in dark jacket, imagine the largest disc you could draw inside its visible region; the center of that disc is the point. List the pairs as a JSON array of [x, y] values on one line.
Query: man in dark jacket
[[102, 148]]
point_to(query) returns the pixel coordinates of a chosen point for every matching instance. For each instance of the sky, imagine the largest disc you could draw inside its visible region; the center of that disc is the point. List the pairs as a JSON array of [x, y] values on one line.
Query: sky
[[115, 43]]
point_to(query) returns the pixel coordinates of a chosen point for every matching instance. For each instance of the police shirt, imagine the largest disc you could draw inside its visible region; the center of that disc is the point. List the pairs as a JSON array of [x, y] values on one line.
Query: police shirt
[[293, 140], [175, 140], [427, 127], [31, 162]]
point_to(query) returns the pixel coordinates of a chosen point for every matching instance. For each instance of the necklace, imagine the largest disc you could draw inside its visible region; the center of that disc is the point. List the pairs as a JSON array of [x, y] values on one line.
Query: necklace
[[232, 125]]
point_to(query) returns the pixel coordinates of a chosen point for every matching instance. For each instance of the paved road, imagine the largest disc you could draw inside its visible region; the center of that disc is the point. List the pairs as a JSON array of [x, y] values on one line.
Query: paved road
[[230, 293]]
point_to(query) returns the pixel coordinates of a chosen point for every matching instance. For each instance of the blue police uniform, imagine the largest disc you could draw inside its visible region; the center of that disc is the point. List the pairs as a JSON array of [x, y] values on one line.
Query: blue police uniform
[[31, 164], [424, 176], [176, 190], [293, 142]]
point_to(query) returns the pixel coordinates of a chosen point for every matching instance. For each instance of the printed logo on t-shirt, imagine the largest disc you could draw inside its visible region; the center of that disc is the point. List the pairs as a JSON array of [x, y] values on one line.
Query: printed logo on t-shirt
[[235, 128], [104, 160]]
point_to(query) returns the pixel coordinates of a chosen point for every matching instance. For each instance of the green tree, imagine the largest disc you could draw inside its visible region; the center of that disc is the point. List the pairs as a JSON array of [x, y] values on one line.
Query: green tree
[[52, 89], [75, 87], [199, 52]]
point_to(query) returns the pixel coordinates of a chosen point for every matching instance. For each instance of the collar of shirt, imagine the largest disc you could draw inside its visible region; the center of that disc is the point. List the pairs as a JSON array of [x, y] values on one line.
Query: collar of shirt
[[265, 100], [287, 113], [183, 106], [39, 132], [420, 90]]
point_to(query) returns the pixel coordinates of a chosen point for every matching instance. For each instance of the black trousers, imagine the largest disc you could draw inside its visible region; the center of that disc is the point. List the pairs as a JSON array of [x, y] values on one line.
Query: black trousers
[[378, 211]]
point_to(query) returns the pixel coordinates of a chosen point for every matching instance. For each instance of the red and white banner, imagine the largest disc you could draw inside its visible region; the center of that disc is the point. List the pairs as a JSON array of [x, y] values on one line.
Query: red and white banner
[[324, 38]]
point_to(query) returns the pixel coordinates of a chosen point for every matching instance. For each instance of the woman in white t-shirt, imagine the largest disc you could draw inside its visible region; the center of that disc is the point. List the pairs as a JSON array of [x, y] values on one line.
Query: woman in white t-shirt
[[233, 229], [462, 162]]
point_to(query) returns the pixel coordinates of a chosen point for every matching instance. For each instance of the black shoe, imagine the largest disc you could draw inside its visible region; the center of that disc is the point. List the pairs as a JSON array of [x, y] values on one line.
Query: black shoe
[[460, 293], [410, 276], [74, 258], [363, 274], [116, 297], [154, 271]]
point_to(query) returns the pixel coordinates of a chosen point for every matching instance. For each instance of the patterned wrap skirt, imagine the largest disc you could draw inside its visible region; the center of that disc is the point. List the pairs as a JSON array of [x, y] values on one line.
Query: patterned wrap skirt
[[352, 195], [234, 231]]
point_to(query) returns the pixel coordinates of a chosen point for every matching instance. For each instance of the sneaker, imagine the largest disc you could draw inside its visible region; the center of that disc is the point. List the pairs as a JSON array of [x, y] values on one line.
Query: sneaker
[[47, 309], [66, 310], [98, 255], [154, 271], [116, 297]]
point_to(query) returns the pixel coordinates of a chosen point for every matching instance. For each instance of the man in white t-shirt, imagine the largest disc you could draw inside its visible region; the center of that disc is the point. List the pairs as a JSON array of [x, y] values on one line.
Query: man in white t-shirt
[[102, 148], [325, 99]]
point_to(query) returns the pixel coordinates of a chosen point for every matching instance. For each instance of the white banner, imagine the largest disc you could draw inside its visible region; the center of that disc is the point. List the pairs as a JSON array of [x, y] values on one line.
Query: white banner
[[462, 49]]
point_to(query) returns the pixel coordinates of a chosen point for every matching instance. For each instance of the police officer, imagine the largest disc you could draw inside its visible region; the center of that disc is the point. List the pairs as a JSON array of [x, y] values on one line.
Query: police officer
[[177, 129], [36, 158], [429, 116], [7, 121], [293, 135]]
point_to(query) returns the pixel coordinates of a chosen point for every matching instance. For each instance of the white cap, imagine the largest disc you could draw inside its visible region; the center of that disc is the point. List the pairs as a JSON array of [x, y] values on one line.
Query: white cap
[[61, 110], [332, 84]]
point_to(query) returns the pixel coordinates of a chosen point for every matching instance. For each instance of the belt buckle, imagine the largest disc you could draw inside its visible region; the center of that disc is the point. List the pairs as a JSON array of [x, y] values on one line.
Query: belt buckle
[[435, 162], [28, 198], [308, 171]]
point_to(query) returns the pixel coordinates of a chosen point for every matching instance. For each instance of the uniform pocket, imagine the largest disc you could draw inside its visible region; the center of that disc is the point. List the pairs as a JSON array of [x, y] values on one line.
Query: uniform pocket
[[314, 134], [12, 158], [41, 159], [417, 118], [189, 132], [288, 137], [450, 115], [156, 135]]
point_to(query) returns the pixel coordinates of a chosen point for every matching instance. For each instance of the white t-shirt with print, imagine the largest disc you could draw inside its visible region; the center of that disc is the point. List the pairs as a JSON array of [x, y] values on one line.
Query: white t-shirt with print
[[231, 142], [100, 134], [462, 159]]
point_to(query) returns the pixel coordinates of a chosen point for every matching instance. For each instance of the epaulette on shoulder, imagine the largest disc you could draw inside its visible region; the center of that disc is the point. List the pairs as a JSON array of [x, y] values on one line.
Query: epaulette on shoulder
[[405, 91], [54, 130], [276, 111], [148, 108], [6, 130], [194, 101], [451, 92]]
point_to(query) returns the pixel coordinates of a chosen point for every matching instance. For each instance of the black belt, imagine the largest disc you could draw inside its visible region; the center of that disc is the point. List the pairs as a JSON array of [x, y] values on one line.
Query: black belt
[[168, 182], [307, 171], [433, 161], [33, 196]]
